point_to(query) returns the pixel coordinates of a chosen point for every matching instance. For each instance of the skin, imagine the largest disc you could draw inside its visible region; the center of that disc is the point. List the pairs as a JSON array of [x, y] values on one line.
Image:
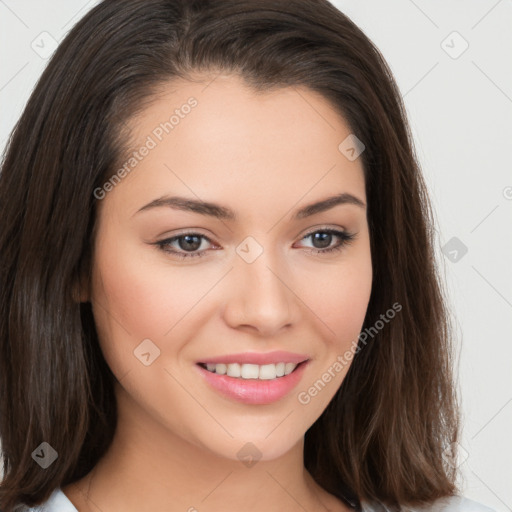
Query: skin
[[264, 156]]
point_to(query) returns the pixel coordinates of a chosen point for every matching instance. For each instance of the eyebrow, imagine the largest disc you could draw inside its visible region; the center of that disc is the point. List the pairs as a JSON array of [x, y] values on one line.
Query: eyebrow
[[224, 213]]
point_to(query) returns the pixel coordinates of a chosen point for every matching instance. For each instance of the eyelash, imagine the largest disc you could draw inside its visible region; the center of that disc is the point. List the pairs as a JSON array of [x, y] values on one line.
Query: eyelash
[[345, 237]]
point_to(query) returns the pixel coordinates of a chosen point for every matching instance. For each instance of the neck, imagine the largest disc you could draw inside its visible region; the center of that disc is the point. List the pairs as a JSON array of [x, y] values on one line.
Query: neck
[[148, 467]]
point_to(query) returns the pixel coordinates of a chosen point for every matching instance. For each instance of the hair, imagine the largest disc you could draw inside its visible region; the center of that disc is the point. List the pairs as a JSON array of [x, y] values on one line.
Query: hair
[[383, 436]]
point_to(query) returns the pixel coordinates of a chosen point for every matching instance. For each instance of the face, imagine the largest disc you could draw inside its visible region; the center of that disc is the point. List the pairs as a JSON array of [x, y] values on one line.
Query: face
[[173, 286]]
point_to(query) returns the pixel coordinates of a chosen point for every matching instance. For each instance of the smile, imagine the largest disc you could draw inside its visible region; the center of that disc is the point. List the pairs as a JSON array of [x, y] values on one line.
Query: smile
[[251, 371], [272, 383]]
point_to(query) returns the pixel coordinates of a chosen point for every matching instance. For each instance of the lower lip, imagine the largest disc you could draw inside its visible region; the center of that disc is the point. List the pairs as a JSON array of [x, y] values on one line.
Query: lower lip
[[254, 391]]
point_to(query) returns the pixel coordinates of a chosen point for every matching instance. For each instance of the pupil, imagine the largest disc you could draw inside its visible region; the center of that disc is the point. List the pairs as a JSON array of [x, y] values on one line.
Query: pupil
[[323, 238], [186, 245]]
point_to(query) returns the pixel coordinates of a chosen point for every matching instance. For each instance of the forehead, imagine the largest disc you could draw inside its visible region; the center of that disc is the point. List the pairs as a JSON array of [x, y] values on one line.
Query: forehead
[[220, 137]]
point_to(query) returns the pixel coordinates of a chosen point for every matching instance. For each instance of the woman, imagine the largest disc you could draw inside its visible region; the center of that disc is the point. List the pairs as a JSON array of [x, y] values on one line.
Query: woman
[[218, 282]]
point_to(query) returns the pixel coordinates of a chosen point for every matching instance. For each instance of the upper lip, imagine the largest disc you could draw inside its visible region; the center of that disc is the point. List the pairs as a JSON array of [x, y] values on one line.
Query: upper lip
[[259, 358]]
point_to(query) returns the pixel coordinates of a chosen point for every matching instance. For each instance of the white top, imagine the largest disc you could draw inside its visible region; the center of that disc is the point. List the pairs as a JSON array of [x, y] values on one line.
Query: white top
[[59, 502], [447, 504]]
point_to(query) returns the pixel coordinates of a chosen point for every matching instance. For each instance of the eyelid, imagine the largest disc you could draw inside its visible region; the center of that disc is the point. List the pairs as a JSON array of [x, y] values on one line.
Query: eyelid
[[324, 227]]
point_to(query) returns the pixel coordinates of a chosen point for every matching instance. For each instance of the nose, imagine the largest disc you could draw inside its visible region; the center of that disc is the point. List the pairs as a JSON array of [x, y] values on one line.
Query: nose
[[261, 297]]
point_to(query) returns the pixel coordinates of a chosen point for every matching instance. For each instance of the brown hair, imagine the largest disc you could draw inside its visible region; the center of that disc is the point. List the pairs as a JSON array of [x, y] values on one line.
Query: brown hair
[[382, 436]]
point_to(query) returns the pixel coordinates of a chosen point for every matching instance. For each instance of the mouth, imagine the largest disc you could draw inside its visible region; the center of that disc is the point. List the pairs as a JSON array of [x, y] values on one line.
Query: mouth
[[248, 371], [251, 383]]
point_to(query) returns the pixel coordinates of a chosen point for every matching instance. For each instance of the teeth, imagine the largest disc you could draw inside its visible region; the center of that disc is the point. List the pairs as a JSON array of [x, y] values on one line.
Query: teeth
[[252, 371], [233, 370]]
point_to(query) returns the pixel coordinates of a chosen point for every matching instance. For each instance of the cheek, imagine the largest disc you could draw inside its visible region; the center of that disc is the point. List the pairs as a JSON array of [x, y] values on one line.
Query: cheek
[[338, 295], [127, 303], [138, 296], [345, 304], [146, 298]]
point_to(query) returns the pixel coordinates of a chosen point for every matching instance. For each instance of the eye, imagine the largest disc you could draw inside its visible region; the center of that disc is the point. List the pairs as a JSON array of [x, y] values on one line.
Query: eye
[[325, 240], [186, 242], [187, 245]]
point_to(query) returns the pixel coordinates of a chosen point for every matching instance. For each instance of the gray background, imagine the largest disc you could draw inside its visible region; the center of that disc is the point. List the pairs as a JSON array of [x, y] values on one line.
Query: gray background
[[460, 108]]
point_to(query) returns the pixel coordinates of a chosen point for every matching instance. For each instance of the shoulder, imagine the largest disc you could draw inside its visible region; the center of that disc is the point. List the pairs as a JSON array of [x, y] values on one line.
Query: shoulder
[[57, 502], [446, 504]]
